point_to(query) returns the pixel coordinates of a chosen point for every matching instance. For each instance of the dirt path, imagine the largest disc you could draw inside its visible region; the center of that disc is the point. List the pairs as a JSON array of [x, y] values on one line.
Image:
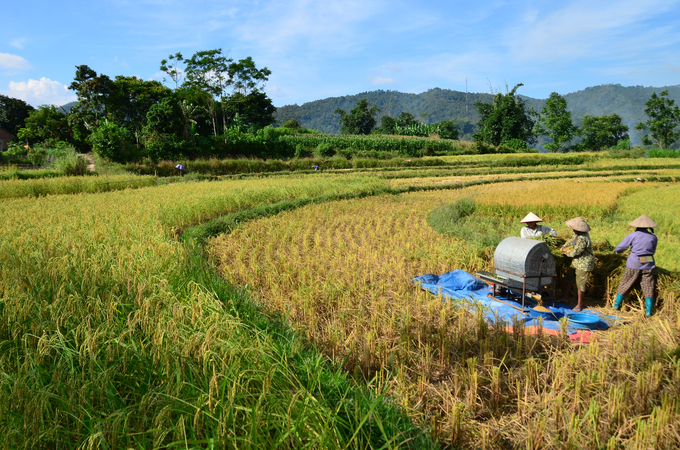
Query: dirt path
[[90, 161]]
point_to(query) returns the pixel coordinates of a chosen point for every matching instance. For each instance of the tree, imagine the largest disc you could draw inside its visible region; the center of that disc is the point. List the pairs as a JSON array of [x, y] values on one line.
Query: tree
[[13, 113], [446, 129], [207, 70], [556, 123], [388, 125], [360, 120], [111, 141], [45, 123], [505, 119], [664, 117], [602, 132], [131, 99], [232, 87], [406, 119], [292, 124], [93, 92]]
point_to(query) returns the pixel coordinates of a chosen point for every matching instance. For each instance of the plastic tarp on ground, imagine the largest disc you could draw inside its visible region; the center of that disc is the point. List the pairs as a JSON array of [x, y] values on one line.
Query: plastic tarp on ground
[[460, 285]]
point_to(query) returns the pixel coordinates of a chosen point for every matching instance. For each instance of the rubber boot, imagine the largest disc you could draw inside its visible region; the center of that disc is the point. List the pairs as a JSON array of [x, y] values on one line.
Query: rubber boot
[[649, 304], [618, 302]]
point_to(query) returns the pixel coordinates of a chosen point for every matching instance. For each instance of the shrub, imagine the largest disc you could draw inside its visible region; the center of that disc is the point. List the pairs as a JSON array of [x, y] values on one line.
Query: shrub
[[325, 150], [70, 163], [663, 153], [112, 142], [623, 144], [37, 156], [292, 124], [637, 152]]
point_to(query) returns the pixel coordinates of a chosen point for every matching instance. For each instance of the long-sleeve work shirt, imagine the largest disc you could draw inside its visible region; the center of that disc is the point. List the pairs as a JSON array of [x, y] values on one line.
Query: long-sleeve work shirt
[[642, 243]]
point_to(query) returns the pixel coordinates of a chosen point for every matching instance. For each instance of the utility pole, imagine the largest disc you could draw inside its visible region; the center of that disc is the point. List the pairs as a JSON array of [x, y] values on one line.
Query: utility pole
[[466, 108]]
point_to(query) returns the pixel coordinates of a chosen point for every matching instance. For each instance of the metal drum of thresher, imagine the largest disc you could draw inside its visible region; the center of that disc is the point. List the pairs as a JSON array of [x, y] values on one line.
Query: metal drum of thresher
[[526, 264]]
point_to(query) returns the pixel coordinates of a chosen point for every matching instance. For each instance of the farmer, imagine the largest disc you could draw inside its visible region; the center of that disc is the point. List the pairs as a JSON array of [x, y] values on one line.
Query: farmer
[[181, 169], [584, 260], [533, 230], [640, 264]]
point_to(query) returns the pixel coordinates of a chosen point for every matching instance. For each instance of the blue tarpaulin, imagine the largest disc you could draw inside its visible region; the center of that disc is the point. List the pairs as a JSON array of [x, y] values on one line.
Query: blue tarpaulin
[[460, 285]]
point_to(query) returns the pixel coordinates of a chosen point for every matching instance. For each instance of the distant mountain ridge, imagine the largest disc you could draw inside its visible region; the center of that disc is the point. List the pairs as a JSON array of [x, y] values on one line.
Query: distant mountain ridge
[[444, 104]]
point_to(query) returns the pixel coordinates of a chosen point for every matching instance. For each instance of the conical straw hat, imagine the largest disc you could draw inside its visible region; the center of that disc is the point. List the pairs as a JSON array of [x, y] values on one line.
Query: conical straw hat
[[578, 224], [643, 222], [531, 217]]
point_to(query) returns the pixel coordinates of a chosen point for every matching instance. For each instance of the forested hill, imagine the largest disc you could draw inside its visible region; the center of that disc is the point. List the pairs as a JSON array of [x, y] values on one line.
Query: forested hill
[[445, 104]]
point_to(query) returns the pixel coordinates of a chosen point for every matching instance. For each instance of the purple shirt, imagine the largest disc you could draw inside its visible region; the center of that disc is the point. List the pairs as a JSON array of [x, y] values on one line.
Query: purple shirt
[[641, 243]]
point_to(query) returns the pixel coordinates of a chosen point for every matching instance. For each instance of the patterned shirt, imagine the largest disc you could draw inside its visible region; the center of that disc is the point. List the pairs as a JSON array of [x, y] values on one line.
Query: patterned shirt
[[541, 230], [582, 252]]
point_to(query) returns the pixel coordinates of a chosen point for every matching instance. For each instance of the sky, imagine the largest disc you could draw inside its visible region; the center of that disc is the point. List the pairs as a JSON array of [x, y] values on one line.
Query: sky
[[330, 48]]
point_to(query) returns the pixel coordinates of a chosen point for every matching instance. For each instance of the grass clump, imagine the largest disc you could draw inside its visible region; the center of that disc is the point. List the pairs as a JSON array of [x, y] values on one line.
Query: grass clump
[[458, 220]]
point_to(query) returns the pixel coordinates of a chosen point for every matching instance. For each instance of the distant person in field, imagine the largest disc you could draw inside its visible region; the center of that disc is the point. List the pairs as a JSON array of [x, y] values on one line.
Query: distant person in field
[[581, 249], [640, 265], [532, 230]]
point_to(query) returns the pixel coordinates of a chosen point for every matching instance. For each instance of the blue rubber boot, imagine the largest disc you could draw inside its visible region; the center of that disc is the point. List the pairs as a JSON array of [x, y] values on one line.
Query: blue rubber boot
[[649, 304], [618, 302]]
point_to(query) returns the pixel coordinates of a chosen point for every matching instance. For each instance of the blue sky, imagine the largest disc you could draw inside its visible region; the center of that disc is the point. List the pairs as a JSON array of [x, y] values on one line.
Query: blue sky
[[319, 49]]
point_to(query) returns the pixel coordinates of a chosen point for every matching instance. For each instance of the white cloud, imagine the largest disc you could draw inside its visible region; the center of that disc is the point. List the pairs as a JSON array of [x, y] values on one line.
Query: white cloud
[[382, 80], [8, 61], [40, 92], [18, 43]]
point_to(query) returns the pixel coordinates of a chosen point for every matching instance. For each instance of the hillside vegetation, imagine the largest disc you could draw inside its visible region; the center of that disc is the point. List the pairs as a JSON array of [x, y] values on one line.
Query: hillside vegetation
[[445, 104]]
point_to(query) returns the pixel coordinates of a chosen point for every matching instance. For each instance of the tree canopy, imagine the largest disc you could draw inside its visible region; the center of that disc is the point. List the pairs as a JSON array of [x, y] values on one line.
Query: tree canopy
[[360, 120], [664, 118], [601, 132], [556, 123], [128, 118], [13, 113], [505, 120]]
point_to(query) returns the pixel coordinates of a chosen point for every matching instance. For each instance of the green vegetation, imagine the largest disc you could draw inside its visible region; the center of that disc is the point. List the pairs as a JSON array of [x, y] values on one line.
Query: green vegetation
[[556, 123], [507, 121], [360, 120], [444, 104], [13, 113], [603, 132], [664, 119]]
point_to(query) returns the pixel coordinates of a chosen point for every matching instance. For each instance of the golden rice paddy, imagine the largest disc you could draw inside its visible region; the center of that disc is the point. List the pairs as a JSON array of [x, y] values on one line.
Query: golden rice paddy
[[340, 272]]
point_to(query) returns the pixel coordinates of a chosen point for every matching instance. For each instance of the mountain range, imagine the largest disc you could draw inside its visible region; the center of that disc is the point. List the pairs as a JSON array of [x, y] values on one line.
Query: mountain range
[[438, 104]]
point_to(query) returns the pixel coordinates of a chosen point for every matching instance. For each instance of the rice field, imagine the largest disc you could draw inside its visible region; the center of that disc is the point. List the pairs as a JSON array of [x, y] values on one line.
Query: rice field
[[340, 272], [116, 333]]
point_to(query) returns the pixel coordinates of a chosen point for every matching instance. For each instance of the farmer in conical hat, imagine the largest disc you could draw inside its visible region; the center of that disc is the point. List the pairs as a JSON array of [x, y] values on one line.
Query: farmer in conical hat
[[581, 249], [533, 230], [640, 265]]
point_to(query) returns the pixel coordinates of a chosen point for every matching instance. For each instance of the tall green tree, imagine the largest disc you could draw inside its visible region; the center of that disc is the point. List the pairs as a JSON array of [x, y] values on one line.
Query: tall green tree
[[207, 70], [506, 119], [232, 88], [601, 132], [130, 100], [360, 120], [13, 113], [556, 123], [93, 93], [664, 118], [44, 123]]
